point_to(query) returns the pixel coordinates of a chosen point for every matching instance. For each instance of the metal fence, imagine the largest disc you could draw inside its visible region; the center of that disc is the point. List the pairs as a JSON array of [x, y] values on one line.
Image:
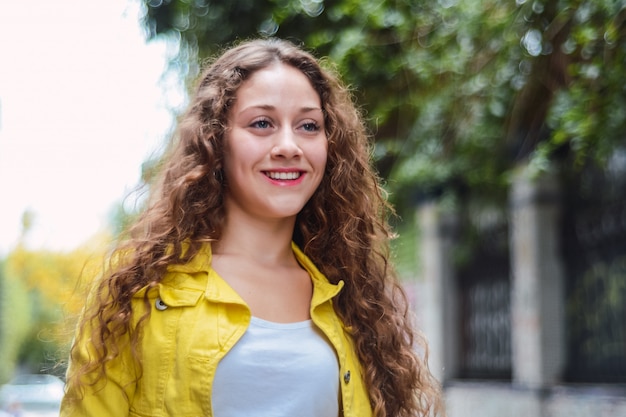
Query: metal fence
[[593, 255], [594, 247], [485, 307]]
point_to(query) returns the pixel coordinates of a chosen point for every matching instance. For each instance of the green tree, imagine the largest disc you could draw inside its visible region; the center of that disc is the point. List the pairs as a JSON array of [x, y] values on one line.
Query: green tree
[[14, 322], [457, 92], [41, 295]]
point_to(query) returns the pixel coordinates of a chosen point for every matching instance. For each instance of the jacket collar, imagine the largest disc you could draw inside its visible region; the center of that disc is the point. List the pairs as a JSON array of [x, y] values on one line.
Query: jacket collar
[[322, 289], [218, 290]]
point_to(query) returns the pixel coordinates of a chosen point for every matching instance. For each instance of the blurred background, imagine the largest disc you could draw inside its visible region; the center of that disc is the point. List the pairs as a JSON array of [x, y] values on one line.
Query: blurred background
[[499, 128]]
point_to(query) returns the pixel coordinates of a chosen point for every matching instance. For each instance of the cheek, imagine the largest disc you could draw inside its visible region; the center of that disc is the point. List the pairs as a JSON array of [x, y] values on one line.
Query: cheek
[[319, 155], [236, 154], [319, 162]]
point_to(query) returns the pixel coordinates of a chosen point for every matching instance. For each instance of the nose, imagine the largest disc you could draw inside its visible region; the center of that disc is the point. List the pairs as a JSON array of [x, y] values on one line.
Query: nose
[[286, 145]]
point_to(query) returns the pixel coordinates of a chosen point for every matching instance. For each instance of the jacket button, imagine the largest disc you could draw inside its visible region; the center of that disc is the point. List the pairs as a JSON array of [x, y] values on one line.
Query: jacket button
[[346, 377], [160, 305]]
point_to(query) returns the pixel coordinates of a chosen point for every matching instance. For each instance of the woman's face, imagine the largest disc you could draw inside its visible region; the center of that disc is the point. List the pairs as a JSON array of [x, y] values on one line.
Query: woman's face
[[276, 146]]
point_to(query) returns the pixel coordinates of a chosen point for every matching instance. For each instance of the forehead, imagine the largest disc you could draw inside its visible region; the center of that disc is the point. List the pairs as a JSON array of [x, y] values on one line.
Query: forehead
[[278, 81]]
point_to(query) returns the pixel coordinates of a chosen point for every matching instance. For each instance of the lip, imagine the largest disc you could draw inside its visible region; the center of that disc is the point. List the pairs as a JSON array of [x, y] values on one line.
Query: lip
[[286, 174]]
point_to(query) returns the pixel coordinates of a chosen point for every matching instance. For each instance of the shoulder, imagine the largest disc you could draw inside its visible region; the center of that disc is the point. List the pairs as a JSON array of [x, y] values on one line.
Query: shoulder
[[184, 278]]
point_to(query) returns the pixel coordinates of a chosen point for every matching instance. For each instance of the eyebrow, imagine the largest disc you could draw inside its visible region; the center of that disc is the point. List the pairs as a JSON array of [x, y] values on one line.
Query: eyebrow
[[270, 107]]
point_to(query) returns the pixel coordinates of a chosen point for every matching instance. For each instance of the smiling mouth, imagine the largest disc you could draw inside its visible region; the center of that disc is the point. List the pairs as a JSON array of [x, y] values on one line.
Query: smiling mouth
[[293, 175]]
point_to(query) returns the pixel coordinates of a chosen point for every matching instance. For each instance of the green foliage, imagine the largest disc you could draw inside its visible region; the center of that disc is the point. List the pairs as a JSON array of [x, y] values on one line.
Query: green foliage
[[405, 248], [457, 92], [41, 294], [15, 322], [596, 307]]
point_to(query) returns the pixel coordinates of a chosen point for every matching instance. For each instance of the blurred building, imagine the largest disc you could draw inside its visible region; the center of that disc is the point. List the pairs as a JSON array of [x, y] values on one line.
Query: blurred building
[[525, 306]]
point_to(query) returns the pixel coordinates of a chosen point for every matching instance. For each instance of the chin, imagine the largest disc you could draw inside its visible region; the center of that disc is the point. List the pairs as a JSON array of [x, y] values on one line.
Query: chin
[[286, 211]]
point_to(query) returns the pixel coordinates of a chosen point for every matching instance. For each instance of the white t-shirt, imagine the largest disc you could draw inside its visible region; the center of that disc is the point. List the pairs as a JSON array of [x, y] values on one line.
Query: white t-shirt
[[278, 370]]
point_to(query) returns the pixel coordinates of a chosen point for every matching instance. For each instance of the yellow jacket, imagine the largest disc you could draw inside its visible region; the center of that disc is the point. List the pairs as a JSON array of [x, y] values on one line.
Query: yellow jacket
[[196, 319]]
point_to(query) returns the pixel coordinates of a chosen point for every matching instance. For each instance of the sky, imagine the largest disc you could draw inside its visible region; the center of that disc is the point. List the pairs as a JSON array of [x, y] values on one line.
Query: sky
[[83, 102]]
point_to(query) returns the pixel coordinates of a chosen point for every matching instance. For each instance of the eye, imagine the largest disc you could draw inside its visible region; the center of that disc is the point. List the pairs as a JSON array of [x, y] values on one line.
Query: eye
[[310, 127], [261, 124]]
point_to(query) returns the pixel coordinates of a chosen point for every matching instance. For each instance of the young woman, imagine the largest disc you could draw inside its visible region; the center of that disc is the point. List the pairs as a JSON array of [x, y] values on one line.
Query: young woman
[[257, 281]]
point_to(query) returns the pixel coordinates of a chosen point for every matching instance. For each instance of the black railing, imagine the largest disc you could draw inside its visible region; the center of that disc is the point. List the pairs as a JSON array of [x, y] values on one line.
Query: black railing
[[485, 308], [594, 242]]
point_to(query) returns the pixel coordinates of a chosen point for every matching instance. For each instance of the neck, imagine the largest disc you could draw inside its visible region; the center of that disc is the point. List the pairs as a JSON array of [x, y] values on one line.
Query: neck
[[262, 240]]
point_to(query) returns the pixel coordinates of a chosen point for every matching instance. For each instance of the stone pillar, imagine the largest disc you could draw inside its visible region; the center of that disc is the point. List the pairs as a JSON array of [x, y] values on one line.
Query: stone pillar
[[438, 229], [538, 299]]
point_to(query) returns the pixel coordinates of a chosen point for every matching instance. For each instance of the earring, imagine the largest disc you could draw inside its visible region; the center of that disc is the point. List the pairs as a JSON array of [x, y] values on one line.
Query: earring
[[218, 175]]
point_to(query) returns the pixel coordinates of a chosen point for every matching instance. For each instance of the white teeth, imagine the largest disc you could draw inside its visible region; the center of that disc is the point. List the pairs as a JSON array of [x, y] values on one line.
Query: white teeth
[[283, 175]]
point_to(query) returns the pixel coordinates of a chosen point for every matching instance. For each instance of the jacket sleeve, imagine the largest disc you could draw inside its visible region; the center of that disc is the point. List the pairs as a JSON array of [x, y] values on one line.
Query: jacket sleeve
[[110, 396]]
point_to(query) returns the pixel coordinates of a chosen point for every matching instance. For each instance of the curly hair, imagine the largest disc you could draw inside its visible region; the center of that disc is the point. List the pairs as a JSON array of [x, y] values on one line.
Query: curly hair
[[348, 213]]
